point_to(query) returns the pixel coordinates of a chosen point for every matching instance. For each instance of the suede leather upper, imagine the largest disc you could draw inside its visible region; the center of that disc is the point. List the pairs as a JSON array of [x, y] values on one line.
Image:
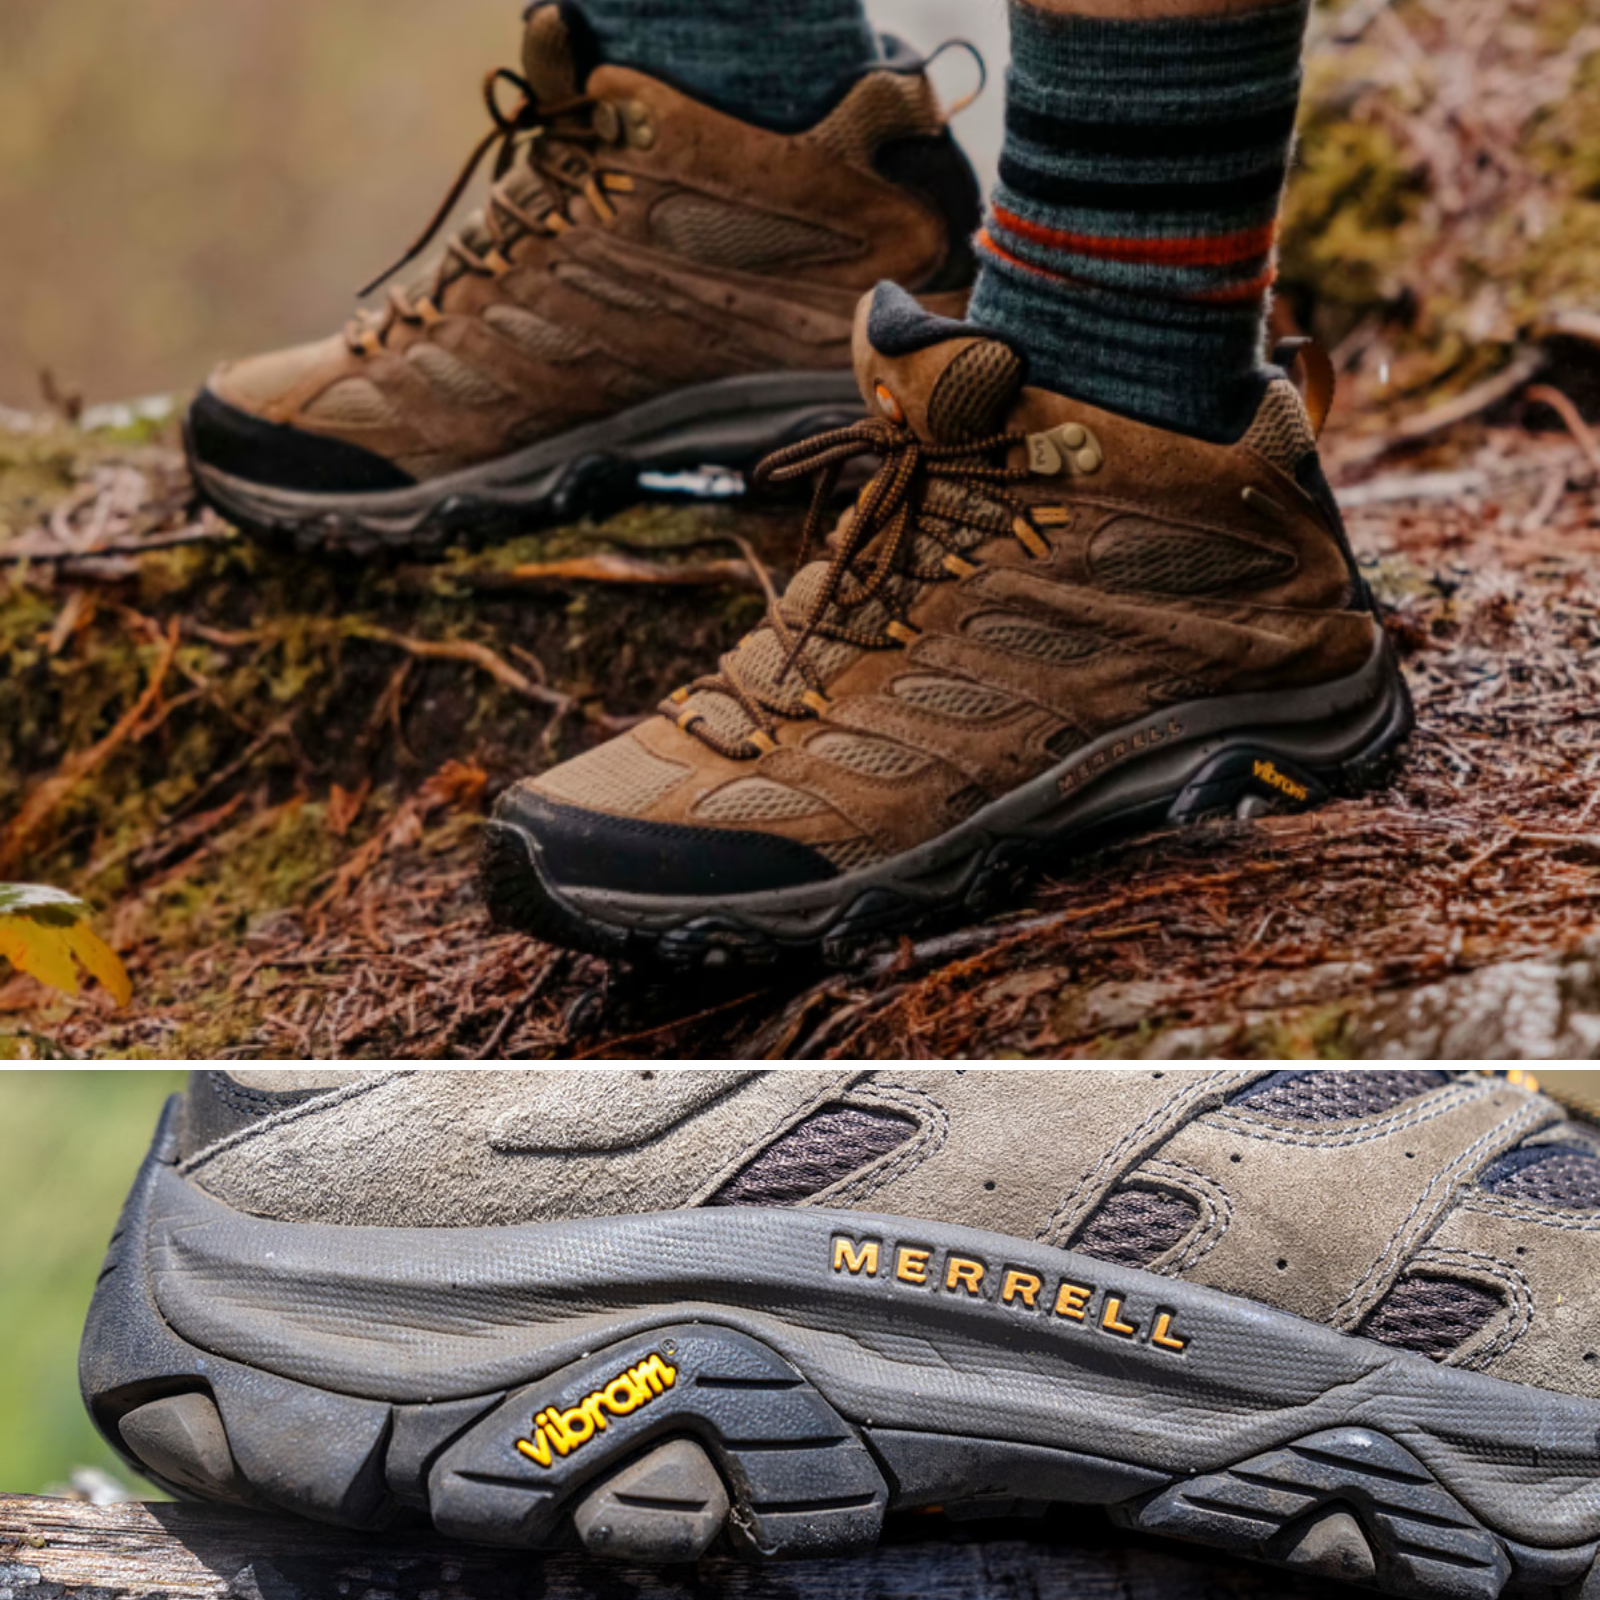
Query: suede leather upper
[[1163, 570], [679, 245], [1321, 1218]]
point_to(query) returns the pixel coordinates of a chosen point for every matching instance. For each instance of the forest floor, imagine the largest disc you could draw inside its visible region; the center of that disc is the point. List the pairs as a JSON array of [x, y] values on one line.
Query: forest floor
[[268, 776]]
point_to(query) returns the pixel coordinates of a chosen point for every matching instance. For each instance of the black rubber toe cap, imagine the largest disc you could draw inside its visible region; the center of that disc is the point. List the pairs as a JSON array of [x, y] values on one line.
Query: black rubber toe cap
[[229, 440], [580, 849]]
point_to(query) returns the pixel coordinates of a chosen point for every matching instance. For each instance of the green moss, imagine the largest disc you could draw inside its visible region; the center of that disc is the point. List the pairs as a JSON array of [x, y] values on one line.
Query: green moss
[[1400, 216]]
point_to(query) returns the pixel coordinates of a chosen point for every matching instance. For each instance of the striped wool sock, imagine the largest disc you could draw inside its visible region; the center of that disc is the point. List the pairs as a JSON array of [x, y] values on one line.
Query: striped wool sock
[[738, 55], [1129, 247]]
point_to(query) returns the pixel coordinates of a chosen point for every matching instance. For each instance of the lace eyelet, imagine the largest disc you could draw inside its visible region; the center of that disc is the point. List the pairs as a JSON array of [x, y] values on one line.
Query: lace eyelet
[[1028, 537]]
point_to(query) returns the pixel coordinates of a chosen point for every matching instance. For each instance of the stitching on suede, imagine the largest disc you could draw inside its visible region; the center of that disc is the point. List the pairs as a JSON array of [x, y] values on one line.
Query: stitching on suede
[[1493, 1205], [834, 1084], [1436, 1197], [1437, 1102], [930, 1139], [241, 1097], [283, 1119], [1485, 1347], [1072, 1213], [1216, 1217]]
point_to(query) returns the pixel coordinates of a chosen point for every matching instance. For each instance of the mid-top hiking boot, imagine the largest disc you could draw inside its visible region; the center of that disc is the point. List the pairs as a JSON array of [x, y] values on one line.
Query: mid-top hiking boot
[[1344, 1320], [652, 284], [1040, 622]]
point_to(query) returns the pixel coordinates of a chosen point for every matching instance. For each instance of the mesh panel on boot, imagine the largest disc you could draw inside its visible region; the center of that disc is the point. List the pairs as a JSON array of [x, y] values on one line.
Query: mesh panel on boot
[[727, 235], [870, 758], [621, 777], [535, 335], [1335, 1095], [971, 392], [1133, 1226], [353, 403], [453, 378], [763, 658], [1282, 431], [758, 800], [1024, 636], [849, 854], [883, 106], [950, 697], [724, 717], [967, 506], [829, 1145], [1150, 557], [624, 296], [1432, 1316], [1548, 1175]]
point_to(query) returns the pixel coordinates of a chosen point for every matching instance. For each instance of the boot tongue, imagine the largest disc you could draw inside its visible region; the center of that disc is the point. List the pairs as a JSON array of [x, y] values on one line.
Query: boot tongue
[[558, 51], [949, 381]]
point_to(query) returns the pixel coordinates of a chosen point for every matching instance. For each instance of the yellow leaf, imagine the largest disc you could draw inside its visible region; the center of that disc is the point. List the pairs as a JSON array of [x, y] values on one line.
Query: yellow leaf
[[42, 929], [101, 961], [40, 951]]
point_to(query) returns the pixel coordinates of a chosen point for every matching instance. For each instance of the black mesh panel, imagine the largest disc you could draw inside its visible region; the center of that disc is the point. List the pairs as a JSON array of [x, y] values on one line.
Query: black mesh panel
[[827, 1146], [1134, 1226], [1432, 1316], [1561, 1175], [1335, 1094]]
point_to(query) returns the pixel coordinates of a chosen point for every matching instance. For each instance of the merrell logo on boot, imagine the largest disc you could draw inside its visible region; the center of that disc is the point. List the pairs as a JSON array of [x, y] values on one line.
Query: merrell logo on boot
[[1268, 773], [559, 1433], [1119, 751], [1001, 1285]]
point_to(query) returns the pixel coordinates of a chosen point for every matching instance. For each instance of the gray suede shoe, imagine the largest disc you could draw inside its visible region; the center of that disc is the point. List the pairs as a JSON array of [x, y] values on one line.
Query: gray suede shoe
[[1340, 1320]]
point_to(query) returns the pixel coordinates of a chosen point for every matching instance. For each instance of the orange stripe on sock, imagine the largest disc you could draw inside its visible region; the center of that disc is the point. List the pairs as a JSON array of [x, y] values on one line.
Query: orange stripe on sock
[[1217, 250], [1231, 294]]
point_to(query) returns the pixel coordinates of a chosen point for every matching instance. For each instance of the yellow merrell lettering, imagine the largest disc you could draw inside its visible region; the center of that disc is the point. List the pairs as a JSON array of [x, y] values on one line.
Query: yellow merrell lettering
[[558, 1432], [963, 1274], [1025, 1284], [1268, 773], [1163, 1335], [911, 1266], [1100, 1312], [848, 1257]]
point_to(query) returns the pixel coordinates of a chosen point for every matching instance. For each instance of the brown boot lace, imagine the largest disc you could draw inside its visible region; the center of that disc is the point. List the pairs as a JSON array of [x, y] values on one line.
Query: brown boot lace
[[550, 134], [880, 537]]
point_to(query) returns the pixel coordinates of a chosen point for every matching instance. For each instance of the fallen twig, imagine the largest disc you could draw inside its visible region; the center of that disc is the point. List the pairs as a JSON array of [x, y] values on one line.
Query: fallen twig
[[41, 804]]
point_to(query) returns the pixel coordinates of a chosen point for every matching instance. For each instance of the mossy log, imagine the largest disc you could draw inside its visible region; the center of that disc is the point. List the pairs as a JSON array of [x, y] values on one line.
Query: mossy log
[[63, 1550]]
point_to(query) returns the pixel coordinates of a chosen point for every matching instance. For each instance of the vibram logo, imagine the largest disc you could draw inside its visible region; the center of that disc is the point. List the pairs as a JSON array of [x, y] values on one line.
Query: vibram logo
[[1268, 773], [559, 1433]]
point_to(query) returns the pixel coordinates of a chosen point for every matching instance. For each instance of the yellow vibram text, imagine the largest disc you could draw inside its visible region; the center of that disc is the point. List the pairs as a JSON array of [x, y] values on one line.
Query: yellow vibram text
[[1268, 773], [558, 1432]]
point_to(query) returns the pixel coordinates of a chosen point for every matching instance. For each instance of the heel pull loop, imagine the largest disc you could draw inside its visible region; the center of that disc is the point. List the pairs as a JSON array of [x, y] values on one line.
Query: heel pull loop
[[1320, 382], [972, 50]]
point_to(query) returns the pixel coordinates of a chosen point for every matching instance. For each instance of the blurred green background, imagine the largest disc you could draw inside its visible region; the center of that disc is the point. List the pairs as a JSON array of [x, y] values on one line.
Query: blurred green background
[[73, 1141]]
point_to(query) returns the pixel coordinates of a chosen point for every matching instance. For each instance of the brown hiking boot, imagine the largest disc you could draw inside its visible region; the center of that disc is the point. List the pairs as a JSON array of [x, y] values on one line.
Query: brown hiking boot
[[1039, 623], [652, 284]]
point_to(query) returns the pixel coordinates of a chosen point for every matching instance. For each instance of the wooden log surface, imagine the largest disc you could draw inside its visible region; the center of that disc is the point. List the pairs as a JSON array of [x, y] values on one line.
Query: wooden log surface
[[59, 1549]]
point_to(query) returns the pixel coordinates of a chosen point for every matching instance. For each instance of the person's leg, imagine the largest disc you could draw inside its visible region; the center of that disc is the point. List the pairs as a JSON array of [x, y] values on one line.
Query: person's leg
[[767, 69], [1129, 245]]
